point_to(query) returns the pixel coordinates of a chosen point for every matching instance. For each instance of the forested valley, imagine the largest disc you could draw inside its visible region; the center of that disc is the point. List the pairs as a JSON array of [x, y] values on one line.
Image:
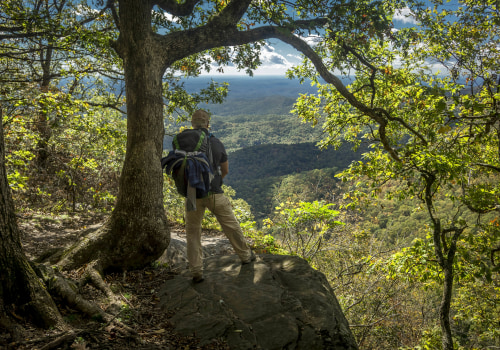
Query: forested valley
[[268, 148], [387, 182]]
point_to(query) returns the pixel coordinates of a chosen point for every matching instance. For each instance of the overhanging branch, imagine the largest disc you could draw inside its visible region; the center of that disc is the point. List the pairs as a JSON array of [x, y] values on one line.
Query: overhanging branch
[[377, 114], [232, 13], [176, 8], [489, 166]]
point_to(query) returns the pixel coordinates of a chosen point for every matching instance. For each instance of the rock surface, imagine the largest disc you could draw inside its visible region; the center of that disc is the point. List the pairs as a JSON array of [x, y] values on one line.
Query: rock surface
[[276, 302]]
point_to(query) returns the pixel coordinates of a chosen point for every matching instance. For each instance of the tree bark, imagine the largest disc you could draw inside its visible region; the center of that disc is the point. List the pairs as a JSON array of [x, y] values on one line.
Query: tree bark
[[447, 266], [445, 256], [444, 308], [139, 220], [137, 232], [20, 289]]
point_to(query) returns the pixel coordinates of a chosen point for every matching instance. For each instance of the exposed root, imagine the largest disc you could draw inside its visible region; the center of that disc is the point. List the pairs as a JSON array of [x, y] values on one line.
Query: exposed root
[[92, 276], [68, 292], [95, 278], [66, 338]]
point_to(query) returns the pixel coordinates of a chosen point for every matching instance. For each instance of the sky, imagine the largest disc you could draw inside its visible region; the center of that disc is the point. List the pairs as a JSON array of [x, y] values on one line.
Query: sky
[[277, 57]]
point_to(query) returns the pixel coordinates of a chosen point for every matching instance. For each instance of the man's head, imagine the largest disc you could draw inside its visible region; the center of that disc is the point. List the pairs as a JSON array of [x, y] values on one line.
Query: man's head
[[200, 119]]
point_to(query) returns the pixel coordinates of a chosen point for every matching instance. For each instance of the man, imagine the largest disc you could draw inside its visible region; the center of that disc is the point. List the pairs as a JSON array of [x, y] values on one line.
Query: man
[[217, 203]]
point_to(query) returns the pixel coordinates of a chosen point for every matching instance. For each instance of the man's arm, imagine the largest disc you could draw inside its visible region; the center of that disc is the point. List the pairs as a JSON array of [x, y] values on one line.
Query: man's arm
[[224, 168]]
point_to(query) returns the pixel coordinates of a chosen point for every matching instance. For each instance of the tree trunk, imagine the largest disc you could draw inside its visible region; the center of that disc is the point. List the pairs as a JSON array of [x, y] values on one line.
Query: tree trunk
[[20, 289], [139, 214], [444, 308], [42, 122], [137, 232]]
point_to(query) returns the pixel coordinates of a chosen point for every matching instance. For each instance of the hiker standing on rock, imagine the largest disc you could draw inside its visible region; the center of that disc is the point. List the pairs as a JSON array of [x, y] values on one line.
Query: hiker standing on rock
[[216, 202]]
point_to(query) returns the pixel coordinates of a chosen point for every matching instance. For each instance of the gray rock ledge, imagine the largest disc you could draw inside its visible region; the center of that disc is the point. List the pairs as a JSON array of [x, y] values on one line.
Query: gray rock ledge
[[276, 302]]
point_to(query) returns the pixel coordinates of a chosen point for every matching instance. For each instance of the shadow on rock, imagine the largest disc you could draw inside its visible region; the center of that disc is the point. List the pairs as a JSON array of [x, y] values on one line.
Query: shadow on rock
[[277, 302]]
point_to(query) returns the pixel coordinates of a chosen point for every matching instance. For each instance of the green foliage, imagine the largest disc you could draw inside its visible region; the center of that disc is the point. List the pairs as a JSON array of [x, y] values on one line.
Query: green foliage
[[476, 304], [252, 129], [262, 242], [82, 169], [415, 263], [383, 312], [254, 179], [172, 201], [432, 133], [302, 226], [65, 146]]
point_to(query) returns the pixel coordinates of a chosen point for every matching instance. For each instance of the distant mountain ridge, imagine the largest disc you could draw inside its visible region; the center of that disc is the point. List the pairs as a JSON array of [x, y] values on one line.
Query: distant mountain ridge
[[254, 95], [243, 87], [265, 142], [263, 105]]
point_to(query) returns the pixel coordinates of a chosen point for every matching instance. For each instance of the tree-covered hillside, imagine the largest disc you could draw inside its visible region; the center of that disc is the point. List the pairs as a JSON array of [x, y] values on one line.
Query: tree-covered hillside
[[244, 122], [264, 105], [252, 130], [277, 160], [263, 149]]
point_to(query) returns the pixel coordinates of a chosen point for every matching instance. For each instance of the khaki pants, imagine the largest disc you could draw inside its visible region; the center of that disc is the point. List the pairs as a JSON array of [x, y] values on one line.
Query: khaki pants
[[220, 206]]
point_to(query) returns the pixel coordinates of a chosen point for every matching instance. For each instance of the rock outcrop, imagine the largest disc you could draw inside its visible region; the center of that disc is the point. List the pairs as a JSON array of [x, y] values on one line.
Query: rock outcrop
[[276, 302]]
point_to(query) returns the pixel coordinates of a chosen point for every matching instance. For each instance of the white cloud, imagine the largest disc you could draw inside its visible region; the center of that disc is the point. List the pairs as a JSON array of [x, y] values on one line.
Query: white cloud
[[404, 15], [312, 40], [273, 63], [269, 56], [171, 18]]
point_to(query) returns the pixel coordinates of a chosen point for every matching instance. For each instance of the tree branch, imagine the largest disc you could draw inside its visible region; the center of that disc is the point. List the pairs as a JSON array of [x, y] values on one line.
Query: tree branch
[[489, 166], [12, 35], [175, 8], [232, 13], [377, 114]]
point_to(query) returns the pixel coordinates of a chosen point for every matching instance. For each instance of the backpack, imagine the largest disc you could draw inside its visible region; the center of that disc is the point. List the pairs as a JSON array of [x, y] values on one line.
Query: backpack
[[190, 163]]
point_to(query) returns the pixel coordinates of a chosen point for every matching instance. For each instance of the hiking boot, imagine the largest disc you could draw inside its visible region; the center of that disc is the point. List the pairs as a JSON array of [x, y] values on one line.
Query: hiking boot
[[250, 259], [197, 278]]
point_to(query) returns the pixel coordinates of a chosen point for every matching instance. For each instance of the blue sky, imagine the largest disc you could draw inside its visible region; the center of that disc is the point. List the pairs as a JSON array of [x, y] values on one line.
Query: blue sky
[[277, 57]]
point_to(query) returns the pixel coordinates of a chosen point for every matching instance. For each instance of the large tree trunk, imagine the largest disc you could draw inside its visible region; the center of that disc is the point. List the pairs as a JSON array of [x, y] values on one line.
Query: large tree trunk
[[20, 289], [137, 232], [139, 215]]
